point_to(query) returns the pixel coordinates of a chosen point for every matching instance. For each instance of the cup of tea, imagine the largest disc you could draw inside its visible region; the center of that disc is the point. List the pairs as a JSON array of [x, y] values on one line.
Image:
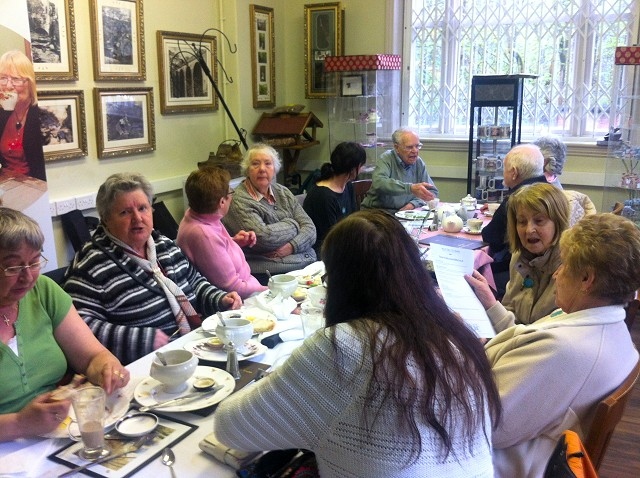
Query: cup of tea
[[181, 365], [492, 207], [8, 100], [89, 407], [283, 284], [474, 225]]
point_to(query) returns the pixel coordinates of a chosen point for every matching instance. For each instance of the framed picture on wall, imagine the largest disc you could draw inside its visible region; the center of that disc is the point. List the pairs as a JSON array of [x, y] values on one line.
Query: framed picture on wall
[[184, 85], [124, 121], [323, 36], [62, 123], [263, 70], [117, 34], [53, 39]]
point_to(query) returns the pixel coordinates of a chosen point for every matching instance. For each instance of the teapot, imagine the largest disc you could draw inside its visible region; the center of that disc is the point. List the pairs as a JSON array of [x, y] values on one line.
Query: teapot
[[469, 202], [452, 223]]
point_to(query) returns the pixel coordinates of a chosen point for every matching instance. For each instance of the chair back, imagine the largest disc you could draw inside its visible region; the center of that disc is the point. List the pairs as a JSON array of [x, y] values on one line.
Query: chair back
[[360, 188], [163, 221], [631, 310], [608, 413], [77, 227]]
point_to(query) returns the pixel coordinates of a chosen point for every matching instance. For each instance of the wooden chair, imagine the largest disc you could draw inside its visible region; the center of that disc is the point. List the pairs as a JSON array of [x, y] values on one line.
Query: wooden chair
[[608, 413], [360, 189]]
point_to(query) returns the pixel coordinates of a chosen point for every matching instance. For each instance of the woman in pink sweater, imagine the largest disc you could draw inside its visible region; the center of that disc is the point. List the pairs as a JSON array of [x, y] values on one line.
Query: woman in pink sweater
[[204, 239]]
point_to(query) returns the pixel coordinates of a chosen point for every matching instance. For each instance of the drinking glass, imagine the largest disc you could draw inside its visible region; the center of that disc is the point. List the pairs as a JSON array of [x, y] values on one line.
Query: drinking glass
[[89, 407]]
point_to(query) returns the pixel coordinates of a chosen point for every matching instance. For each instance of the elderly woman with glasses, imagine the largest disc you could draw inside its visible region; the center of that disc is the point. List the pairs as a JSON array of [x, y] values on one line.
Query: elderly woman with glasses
[[41, 336], [285, 234], [400, 180], [133, 286], [21, 140], [204, 239]]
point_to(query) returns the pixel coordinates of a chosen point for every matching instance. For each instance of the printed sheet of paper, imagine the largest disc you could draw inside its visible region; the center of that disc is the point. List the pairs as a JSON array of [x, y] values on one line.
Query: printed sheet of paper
[[450, 265]]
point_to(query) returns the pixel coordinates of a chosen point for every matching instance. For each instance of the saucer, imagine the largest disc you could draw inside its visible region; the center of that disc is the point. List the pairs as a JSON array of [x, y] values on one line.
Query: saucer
[[473, 233], [488, 214], [198, 348], [149, 391]]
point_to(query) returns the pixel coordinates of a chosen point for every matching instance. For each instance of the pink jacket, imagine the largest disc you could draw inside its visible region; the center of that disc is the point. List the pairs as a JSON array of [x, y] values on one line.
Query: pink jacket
[[209, 247]]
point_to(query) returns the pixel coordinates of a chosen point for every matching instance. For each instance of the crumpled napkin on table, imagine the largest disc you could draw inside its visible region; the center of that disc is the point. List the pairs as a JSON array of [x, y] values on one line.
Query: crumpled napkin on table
[[278, 306]]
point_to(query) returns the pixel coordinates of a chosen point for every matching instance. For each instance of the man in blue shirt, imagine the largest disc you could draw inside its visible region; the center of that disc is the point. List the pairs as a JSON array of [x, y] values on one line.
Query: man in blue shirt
[[400, 180]]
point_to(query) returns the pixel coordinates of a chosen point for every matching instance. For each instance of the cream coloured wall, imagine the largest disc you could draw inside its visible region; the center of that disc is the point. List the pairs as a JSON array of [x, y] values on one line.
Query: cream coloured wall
[[185, 139]]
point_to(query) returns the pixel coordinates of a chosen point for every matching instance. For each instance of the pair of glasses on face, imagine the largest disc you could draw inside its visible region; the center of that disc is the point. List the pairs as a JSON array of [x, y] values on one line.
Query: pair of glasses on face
[[16, 80], [411, 147], [17, 270]]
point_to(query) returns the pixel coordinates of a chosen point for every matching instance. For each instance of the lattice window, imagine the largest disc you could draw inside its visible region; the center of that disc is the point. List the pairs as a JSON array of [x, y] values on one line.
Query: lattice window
[[569, 44]]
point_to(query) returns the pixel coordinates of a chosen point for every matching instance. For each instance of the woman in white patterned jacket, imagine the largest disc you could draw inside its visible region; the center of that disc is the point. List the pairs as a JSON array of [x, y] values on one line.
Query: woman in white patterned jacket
[[396, 385], [133, 286]]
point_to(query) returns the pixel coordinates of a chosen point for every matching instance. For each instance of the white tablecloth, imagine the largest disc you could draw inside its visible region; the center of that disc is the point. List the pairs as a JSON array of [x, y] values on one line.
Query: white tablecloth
[[28, 458]]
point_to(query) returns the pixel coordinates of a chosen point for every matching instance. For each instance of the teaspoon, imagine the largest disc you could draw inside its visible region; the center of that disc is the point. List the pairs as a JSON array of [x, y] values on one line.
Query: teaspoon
[[168, 458]]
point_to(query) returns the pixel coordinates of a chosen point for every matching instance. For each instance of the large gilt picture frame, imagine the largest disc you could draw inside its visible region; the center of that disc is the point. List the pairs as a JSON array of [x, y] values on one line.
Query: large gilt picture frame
[[53, 39], [323, 36], [263, 70], [62, 123], [184, 86], [124, 121], [117, 34]]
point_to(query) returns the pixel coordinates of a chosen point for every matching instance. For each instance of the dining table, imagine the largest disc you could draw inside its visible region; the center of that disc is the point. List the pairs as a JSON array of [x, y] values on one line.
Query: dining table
[[421, 232], [26, 458]]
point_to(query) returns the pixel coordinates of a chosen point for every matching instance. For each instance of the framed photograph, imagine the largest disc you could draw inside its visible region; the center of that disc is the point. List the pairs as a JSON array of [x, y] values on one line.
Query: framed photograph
[[263, 69], [184, 86], [53, 39], [117, 39], [169, 432], [352, 85], [323, 36], [124, 121], [62, 124]]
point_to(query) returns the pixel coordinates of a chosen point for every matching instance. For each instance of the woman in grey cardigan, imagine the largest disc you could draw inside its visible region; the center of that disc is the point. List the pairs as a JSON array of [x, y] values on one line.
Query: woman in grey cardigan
[[285, 233]]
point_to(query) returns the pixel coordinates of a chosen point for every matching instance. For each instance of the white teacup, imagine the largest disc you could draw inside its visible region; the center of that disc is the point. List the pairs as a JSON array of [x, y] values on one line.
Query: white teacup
[[237, 331], [492, 207], [8, 100], [474, 225], [181, 365], [283, 284]]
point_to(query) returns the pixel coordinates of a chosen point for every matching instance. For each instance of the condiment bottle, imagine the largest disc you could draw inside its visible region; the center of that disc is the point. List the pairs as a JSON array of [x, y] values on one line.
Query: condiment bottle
[[232, 360]]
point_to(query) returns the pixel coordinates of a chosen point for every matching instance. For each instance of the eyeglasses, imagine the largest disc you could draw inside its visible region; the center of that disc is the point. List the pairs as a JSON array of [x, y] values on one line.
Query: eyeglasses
[[410, 147], [231, 192], [16, 80], [17, 270]]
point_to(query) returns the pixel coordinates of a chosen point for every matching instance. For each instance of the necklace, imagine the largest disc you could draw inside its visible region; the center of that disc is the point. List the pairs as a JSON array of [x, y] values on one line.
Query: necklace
[[19, 121], [6, 319]]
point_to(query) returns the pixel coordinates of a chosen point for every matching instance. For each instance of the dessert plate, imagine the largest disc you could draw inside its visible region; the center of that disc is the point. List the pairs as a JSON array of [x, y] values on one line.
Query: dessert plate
[[149, 391], [200, 349], [413, 214]]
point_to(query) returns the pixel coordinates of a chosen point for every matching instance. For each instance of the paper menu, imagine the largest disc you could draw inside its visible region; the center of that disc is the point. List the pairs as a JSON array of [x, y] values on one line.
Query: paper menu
[[450, 265]]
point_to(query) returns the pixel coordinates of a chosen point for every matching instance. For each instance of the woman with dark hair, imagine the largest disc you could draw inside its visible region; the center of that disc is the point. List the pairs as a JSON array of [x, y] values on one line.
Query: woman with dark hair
[[332, 198], [394, 385]]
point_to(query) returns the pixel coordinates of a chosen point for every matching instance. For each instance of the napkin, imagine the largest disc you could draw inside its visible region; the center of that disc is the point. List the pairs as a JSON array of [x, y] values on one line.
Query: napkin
[[278, 306], [234, 458]]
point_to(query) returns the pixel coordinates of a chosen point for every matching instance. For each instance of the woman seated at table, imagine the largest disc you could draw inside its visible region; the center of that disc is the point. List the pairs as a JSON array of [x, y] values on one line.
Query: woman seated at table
[[551, 374], [395, 385], [40, 337], [204, 239], [333, 198], [285, 234], [133, 286], [536, 217]]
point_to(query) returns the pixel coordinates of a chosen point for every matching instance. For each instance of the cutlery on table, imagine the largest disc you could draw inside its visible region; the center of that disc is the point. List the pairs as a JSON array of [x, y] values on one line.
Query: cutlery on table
[[184, 398], [126, 450], [169, 458]]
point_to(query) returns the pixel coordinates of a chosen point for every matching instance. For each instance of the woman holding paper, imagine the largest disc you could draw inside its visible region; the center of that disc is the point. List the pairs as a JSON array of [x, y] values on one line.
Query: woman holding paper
[[536, 217], [552, 373]]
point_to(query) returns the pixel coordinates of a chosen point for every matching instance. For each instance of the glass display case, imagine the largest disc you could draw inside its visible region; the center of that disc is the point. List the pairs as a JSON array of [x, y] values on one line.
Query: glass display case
[[495, 126], [622, 169], [365, 109]]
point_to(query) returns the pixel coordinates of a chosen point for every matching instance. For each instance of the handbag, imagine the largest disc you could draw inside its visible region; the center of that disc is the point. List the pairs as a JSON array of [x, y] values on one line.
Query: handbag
[[292, 463], [570, 459]]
